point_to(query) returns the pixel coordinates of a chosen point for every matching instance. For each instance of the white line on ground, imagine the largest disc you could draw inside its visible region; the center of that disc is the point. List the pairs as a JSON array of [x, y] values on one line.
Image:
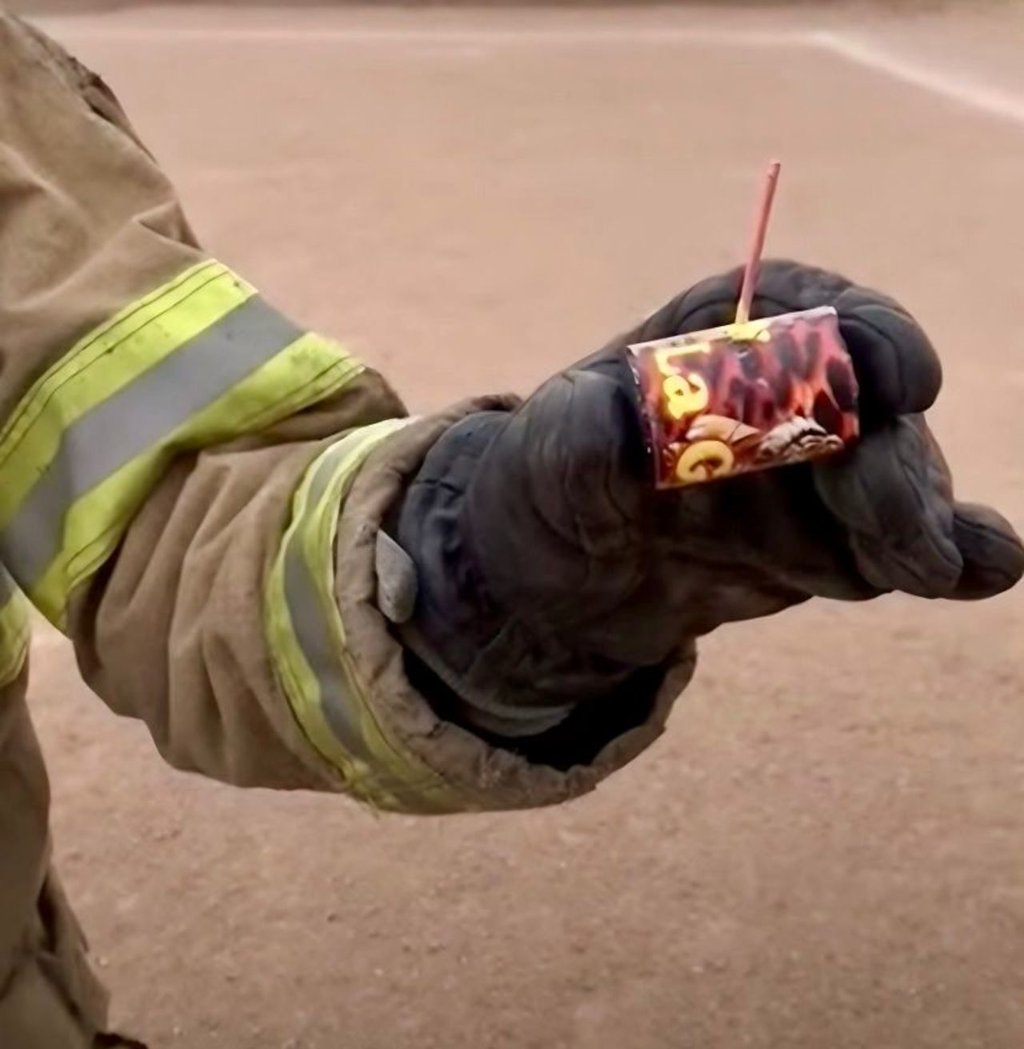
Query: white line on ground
[[857, 50], [949, 85], [668, 36]]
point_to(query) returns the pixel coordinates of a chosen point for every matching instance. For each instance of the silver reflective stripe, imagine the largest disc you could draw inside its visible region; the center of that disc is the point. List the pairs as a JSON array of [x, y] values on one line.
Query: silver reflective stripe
[[312, 632], [137, 417]]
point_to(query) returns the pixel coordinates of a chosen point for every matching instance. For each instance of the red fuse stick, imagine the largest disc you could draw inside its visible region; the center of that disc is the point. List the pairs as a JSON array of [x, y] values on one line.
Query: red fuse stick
[[761, 218]]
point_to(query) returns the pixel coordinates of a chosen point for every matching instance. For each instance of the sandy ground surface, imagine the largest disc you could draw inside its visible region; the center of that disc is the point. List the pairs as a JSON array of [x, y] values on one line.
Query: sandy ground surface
[[827, 849]]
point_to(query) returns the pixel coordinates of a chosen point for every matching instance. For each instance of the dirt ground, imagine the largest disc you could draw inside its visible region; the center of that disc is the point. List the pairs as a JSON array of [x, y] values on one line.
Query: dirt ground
[[827, 849]]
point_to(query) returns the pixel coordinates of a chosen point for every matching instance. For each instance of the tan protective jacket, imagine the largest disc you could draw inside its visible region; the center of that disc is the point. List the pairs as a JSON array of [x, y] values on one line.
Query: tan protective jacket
[[191, 488]]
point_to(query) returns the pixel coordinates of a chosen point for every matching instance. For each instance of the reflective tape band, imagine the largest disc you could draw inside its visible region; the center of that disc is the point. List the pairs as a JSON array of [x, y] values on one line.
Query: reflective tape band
[[307, 638], [136, 417], [198, 362], [105, 360], [15, 629]]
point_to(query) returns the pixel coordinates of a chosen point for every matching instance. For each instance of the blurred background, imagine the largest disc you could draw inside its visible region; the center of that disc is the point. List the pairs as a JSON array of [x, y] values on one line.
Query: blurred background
[[827, 848]]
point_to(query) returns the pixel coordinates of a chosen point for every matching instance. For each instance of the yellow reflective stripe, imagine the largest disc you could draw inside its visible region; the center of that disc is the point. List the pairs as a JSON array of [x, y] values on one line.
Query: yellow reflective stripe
[[301, 374], [133, 341], [299, 680], [199, 361], [399, 780], [15, 629], [297, 677], [307, 638]]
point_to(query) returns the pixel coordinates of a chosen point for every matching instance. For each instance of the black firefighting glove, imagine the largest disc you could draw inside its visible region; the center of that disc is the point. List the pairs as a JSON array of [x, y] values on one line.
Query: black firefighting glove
[[551, 573]]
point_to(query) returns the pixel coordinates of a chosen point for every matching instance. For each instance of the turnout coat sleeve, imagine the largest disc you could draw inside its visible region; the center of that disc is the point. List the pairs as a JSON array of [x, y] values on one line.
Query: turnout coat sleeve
[[192, 486]]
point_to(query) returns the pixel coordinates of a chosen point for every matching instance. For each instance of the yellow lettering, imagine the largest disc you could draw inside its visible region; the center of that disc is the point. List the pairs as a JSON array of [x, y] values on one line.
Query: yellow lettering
[[665, 356], [685, 395], [703, 460]]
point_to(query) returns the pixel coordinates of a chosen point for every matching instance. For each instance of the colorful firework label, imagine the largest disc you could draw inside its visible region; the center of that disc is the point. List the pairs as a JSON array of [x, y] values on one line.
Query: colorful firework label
[[746, 397]]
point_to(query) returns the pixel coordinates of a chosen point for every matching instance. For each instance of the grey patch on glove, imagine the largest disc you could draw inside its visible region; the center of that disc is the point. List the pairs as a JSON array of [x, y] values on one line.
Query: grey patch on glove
[[396, 580]]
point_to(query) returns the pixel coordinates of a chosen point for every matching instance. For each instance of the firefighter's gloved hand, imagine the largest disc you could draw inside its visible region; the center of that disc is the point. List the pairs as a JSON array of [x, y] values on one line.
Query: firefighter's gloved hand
[[550, 571]]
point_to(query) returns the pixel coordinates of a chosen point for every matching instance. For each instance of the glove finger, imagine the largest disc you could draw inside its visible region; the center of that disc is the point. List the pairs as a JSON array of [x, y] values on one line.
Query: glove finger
[[897, 367], [992, 552], [893, 494]]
